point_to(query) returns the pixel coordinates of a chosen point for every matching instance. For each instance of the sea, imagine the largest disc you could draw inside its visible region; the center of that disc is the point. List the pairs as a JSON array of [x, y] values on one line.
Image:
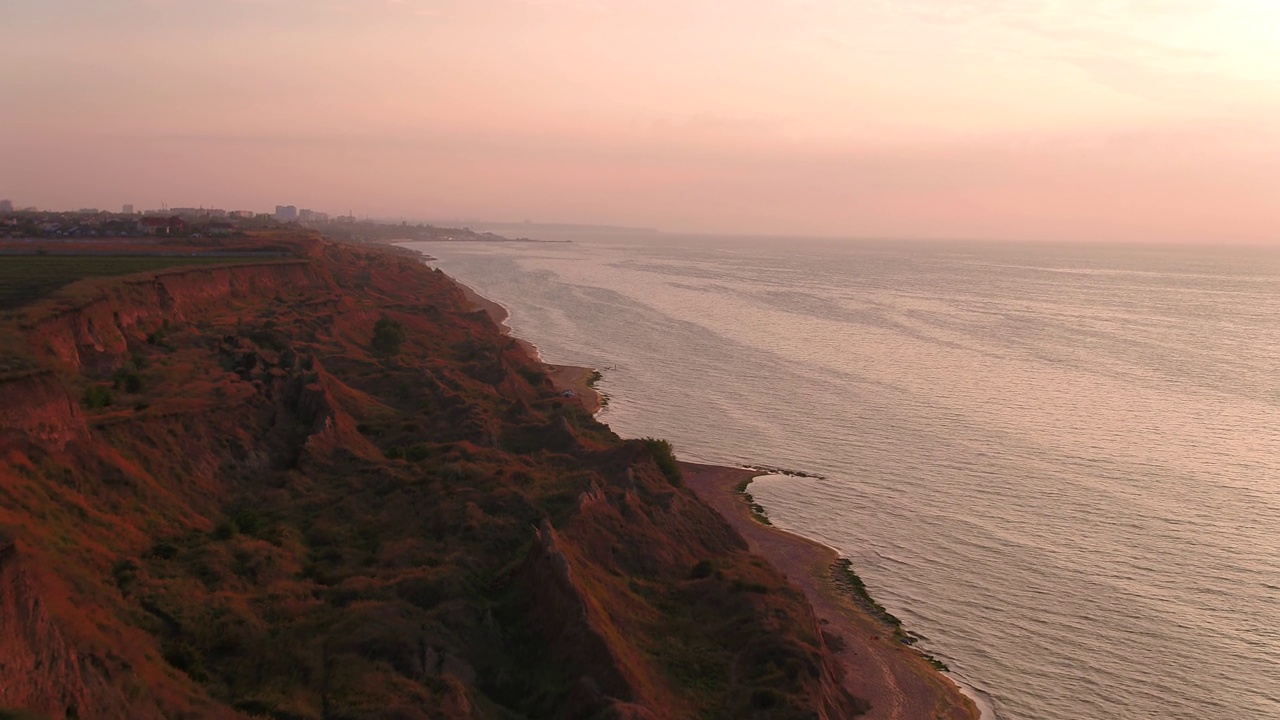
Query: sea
[[1058, 464]]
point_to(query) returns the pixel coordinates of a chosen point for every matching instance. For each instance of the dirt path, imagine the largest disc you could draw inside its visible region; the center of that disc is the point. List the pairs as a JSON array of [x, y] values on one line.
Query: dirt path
[[897, 681]]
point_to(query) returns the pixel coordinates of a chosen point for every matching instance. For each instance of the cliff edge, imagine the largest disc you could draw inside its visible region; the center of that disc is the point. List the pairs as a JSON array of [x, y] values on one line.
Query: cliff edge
[[325, 487]]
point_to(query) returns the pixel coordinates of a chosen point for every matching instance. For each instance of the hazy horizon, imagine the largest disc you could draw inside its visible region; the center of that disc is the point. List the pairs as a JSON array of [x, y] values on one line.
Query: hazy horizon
[[1105, 120]]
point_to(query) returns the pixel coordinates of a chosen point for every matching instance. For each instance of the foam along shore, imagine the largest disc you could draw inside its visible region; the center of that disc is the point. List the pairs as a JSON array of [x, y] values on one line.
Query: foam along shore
[[899, 682], [566, 378]]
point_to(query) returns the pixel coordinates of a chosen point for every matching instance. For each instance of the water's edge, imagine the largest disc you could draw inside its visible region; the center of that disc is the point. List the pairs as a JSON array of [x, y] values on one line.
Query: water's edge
[[501, 316]]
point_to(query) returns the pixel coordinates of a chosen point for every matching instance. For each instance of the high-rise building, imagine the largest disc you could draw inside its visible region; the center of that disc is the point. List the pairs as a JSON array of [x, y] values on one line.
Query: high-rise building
[[127, 209], [6, 206], [286, 213]]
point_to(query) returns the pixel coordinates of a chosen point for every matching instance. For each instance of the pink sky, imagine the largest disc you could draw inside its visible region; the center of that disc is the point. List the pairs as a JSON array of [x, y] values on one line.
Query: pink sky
[[1141, 120]]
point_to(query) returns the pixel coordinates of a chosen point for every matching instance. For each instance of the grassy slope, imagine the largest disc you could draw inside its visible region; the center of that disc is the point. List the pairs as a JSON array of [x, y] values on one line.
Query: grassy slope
[[24, 278]]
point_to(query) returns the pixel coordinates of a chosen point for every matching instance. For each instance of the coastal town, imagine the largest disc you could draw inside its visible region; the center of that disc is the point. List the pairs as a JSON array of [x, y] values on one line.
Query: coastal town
[[32, 222], [19, 224]]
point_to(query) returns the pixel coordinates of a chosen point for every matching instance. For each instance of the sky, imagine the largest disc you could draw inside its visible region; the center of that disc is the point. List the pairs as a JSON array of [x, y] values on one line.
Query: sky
[[1090, 120]]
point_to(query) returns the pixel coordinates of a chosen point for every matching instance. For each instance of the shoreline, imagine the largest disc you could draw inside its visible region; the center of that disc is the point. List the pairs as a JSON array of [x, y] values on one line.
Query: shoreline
[[898, 680], [565, 378]]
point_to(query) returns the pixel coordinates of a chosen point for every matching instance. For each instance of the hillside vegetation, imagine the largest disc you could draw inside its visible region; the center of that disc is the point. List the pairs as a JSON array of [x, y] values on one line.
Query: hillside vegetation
[[327, 488], [24, 278]]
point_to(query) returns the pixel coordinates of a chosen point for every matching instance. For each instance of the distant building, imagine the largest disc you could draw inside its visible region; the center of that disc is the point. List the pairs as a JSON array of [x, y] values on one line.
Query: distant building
[[242, 214], [6, 206], [221, 228], [286, 213], [127, 209], [312, 216], [161, 225]]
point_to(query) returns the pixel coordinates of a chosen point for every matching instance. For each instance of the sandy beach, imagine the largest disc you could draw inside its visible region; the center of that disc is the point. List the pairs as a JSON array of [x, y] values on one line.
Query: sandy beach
[[899, 683]]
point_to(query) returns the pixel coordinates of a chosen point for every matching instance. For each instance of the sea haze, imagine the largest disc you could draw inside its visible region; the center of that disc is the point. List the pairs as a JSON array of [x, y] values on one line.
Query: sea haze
[[1060, 465]]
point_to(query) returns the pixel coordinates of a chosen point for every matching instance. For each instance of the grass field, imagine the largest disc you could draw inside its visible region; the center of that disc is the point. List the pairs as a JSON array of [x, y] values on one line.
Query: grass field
[[24, 278]]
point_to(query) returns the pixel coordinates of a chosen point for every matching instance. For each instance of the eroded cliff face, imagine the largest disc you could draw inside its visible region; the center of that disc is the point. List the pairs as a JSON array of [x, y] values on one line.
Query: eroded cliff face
[[578, 632], [92, 336], [42, 670], [38, 409], [217, 500]]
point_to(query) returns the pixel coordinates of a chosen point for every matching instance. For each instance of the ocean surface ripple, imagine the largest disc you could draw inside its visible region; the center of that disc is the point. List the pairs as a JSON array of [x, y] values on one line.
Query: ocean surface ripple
[[1060, 465]]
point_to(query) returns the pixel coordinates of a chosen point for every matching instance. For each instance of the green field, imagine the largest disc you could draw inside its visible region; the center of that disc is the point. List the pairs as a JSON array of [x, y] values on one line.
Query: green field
[[24, 278]]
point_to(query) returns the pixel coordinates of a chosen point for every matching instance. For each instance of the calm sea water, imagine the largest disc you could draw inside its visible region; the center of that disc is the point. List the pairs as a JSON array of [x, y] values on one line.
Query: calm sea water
[[1059, 464]]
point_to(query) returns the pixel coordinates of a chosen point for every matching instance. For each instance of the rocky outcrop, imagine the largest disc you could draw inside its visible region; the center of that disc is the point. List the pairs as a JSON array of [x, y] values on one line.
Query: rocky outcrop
[[38, 410], [332, 429]]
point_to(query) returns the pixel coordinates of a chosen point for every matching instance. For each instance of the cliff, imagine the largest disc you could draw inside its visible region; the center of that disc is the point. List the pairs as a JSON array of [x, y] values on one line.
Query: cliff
[[221, 496]]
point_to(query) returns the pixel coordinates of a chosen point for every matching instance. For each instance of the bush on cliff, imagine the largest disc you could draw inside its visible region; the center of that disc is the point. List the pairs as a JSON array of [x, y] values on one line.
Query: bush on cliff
[[388, 337], [96, 396], [665, 457]]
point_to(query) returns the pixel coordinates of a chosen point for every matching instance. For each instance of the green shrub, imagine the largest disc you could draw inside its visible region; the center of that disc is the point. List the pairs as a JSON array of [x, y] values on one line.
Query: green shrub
[[701, 570], [128, 381], [268, 337], [164, 550], [182, 656], [372, 431], [752, 587], [388, 337], [665, 457], [125, 573], [96, 396], [248, 521], [453, 473]]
